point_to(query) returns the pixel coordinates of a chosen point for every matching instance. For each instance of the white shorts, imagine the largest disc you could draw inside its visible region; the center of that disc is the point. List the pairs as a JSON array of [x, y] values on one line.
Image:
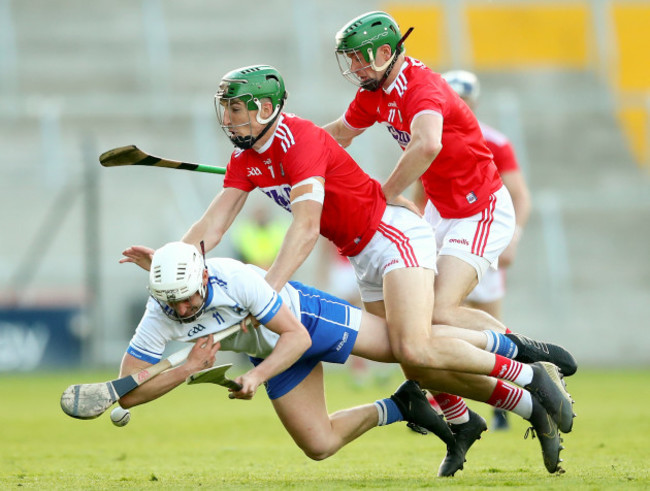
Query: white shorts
[[479, 239], [491, 288], [342, 280], [403, 240]]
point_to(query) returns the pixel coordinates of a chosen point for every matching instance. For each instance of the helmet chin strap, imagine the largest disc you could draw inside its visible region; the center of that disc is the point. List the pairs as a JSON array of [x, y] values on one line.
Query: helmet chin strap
[[373, 84], [247, 142]]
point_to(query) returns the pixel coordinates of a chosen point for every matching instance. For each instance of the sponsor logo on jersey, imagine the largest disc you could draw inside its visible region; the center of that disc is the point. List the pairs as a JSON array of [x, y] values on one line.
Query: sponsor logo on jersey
[[402, 137], [279, 194], [471, 197], [253, 171], [392, 104], [459, 241], [390, 263]]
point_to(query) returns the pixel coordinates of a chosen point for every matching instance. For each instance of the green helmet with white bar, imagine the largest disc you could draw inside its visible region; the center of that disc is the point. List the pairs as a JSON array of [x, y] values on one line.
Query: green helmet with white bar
[[250, 85], [360, 39]]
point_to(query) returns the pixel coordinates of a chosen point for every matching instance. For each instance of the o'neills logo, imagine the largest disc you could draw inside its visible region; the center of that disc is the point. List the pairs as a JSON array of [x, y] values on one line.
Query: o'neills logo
[[390, 263], [502, 371], [459, 241]]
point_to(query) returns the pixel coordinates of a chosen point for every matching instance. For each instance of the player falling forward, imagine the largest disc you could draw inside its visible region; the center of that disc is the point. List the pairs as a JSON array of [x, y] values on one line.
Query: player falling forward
[[443, 146], [300, 328], [303, 170]]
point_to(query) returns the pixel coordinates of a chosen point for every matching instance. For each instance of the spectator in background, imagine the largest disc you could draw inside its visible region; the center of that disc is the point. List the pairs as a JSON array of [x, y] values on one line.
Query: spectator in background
[[489, 293], [257, 240]]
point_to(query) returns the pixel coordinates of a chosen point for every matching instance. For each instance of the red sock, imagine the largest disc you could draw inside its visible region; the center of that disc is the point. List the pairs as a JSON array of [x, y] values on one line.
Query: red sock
[[508, 331], [511, 398], [505, 396], [453, 407], [505, 368]]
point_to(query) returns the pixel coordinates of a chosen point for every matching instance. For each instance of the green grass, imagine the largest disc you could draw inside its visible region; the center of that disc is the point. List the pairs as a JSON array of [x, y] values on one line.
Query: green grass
[[196, 438]]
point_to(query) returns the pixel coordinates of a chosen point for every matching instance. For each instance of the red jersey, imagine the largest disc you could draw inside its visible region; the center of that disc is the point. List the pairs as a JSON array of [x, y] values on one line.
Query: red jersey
[[298, 149], [462, 177], [502, 151]]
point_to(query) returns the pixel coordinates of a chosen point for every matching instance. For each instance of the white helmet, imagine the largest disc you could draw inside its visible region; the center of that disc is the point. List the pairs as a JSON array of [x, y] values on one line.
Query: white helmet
[[176, 274], [465, 84]]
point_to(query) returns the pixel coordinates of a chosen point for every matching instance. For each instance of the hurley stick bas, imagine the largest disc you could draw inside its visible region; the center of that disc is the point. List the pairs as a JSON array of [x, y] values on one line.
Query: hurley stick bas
[[132, 155]]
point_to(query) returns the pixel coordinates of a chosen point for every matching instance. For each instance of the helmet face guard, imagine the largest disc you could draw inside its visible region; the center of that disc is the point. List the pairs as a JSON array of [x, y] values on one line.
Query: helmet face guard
[[357, 44], [222, 106], [353, 66], [245, 89], [176, 275]]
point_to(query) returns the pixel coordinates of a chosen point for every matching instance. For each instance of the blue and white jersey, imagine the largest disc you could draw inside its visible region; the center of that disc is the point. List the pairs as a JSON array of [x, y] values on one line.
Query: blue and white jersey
[[235, 290]]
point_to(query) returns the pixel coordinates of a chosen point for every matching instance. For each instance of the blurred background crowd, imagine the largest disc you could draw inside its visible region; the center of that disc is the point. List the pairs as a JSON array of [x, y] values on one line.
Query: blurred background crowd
[[567, 81]]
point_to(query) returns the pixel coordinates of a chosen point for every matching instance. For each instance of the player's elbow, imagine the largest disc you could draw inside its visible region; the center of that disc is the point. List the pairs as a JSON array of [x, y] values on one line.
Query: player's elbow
[[430, 148], [304, 340], [309, 230], [313, 231]]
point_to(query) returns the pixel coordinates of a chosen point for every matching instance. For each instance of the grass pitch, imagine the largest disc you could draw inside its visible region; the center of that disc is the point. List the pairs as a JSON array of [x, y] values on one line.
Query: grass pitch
[[195, 437]]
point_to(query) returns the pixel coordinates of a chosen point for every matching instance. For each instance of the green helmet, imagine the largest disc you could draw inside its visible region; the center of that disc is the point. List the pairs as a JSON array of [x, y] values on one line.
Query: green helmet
[[362, 37], [368, 32], [250, 85]]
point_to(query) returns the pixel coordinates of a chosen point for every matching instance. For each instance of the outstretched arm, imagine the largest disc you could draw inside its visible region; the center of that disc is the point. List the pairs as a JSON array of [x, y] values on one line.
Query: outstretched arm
[[425, 145], [294, 340], [210, 228], [140, 255], [300, 239], [217, 219], [202, 356], [341, 132]]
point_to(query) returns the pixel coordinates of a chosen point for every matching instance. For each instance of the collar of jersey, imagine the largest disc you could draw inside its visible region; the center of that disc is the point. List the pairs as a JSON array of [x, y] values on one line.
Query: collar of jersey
[[210, 295], [401, 69], [267, 145]]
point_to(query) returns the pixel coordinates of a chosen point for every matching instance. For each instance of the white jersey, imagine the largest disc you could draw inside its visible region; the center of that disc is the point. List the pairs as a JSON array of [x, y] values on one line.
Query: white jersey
[[235, 290]]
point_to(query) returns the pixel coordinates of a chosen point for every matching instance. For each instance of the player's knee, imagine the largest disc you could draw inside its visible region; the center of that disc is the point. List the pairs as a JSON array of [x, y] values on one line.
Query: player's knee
[[428, 352], [318, 452], [444, 315], [415, 354]]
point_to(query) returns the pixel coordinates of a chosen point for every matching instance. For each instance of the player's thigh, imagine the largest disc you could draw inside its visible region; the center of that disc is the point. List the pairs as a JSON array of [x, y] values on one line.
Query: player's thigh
[[492, 308], [372, 340], [303, 411], [456, 278], [408, 298], [476, 387]]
